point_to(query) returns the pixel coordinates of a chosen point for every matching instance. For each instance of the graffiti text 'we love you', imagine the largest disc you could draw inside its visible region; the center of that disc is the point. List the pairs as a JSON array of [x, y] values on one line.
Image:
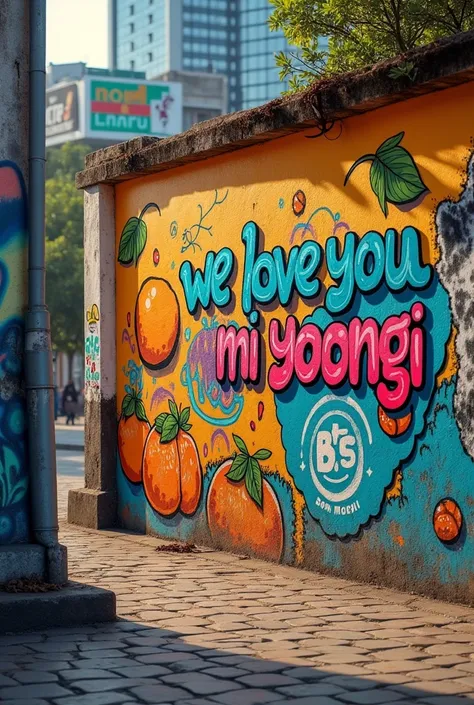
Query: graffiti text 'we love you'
[[394, 350]]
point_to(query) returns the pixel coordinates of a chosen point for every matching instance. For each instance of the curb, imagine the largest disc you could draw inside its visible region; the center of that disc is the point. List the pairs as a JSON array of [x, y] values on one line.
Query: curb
[[69, 446], [76, 604]]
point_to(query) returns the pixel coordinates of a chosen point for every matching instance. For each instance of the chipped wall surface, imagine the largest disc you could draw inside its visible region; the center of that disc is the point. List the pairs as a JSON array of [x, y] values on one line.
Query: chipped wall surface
[[294, 349]]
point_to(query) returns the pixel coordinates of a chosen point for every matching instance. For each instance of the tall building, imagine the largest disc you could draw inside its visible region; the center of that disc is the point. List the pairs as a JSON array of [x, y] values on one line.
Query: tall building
[[229, 37]]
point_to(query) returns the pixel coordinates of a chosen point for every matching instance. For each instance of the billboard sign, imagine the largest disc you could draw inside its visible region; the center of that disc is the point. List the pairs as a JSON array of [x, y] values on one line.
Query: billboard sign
[[121, 109], [62, 114]]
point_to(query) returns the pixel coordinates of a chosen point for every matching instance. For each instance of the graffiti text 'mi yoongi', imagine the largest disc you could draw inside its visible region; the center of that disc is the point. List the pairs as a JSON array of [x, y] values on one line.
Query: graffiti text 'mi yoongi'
[[395, 348]]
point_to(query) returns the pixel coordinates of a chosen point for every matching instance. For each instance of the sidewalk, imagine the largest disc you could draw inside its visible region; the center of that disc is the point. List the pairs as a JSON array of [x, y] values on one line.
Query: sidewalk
[[212, 628], [69, 437]]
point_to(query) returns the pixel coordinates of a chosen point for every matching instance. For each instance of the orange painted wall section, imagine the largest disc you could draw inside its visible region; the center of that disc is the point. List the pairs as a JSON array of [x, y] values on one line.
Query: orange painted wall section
[[318, 470]]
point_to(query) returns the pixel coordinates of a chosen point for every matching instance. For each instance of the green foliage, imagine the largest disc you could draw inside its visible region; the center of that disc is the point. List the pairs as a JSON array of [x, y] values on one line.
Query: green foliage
[[359, 32], [246, 466], [64, 247]]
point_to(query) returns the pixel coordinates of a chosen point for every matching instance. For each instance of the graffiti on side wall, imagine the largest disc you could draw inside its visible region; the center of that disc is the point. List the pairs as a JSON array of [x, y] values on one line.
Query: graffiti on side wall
[[92, 349], [290, 380], [13, 472]]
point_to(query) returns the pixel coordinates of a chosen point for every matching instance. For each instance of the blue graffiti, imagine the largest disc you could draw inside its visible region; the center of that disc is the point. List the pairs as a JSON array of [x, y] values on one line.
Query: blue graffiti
[[339, 455]]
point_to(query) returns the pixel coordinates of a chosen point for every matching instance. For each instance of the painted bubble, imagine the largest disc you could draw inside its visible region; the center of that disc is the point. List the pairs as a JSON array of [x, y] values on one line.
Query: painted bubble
[[260, 410], [156, 257], [215, 404]]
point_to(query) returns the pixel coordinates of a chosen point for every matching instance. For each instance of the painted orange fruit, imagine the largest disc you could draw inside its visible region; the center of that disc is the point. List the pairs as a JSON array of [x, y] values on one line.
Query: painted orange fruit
[[172, 473], [299, 203], [447, 520], [133, 429], [393, 426], [242, 509], [156, 322]]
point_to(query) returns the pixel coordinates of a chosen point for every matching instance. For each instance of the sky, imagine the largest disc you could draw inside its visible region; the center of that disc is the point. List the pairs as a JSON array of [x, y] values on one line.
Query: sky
[[76, 30]]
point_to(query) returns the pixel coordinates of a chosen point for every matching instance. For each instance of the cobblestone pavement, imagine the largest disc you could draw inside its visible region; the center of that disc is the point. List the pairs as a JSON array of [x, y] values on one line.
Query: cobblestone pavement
[[210, 628]]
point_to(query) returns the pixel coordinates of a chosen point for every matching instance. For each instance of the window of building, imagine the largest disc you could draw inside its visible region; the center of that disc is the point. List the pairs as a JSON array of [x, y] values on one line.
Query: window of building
[[150, 19], [132, 28], [132, 9], [132, 65], [150, 37], [150, 56], [132, 46]]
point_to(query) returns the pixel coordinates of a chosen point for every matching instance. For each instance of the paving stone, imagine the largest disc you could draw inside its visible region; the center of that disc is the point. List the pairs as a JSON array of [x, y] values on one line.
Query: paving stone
[[398, 666], [109, 698], [438, 674], [314, 689], [201, 684], [267, 680], [157, 694], [39, 690], [100, 685], [5, 680], [225, 672], [431, 688], [104, 663], [252, 696], [377, 696], [30, 677], [77, 674], [21, 701]]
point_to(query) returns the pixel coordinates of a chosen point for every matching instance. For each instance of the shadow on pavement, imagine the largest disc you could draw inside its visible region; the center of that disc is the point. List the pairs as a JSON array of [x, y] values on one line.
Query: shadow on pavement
[[126, 662]]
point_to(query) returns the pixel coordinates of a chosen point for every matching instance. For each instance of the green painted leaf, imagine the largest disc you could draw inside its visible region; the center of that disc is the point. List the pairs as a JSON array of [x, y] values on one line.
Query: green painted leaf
[[160, 420], [240, 444], [132, 241], [140, 411], [186, 427], [173, 409], [390, 143], [238, 468], [377, 181], [170, 429], [128, 405], [403, 182], [184, 416], [394, 176], [254, 481], [262, 454]]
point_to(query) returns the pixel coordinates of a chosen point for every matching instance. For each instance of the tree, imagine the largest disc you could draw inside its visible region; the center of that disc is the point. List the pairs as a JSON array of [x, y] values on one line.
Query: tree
[[359, 33], [64, 248]]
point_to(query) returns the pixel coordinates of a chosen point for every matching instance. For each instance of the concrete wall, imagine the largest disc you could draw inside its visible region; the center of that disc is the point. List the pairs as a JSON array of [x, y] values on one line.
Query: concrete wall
[[293, 358], [13, 172]]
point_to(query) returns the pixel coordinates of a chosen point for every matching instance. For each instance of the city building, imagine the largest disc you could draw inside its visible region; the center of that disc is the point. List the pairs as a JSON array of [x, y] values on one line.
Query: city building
[[100, 107], [229, 37]]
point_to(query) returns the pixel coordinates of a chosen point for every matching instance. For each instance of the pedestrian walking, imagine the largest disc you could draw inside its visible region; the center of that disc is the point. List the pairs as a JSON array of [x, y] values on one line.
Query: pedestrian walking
[[70, 402]]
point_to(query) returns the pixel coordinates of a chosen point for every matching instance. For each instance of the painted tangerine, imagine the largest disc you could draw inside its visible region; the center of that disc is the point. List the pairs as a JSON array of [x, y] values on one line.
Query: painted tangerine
[[237, 523], [161, 474], [299, 203], [447, 520], [393, 426], [172, 475], [156, 322], [132, 435]]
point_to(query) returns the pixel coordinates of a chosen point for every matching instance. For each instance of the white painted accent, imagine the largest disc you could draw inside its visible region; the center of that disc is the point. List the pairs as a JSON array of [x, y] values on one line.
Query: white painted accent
[[99, 280]]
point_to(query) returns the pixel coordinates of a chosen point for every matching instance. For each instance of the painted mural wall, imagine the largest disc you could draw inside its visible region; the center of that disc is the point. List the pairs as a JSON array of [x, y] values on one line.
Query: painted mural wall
[[294, 349], [13, 243]]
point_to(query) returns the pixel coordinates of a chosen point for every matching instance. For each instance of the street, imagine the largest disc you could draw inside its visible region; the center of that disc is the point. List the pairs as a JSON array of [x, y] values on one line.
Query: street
[[212, 628]]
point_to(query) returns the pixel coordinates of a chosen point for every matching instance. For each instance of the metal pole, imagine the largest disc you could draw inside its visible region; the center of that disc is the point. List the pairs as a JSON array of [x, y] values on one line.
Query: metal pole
[[38, 355]]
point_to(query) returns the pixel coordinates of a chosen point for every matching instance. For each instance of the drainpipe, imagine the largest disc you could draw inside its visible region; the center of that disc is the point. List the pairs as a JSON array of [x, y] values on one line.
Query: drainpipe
[[38, 354]]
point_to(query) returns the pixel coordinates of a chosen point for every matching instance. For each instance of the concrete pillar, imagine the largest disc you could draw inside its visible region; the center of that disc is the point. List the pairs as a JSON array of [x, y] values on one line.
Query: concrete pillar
[[95, 505]]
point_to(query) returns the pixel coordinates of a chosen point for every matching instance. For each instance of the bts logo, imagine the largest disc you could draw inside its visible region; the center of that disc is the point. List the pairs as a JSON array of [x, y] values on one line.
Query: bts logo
[[335, 453]]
